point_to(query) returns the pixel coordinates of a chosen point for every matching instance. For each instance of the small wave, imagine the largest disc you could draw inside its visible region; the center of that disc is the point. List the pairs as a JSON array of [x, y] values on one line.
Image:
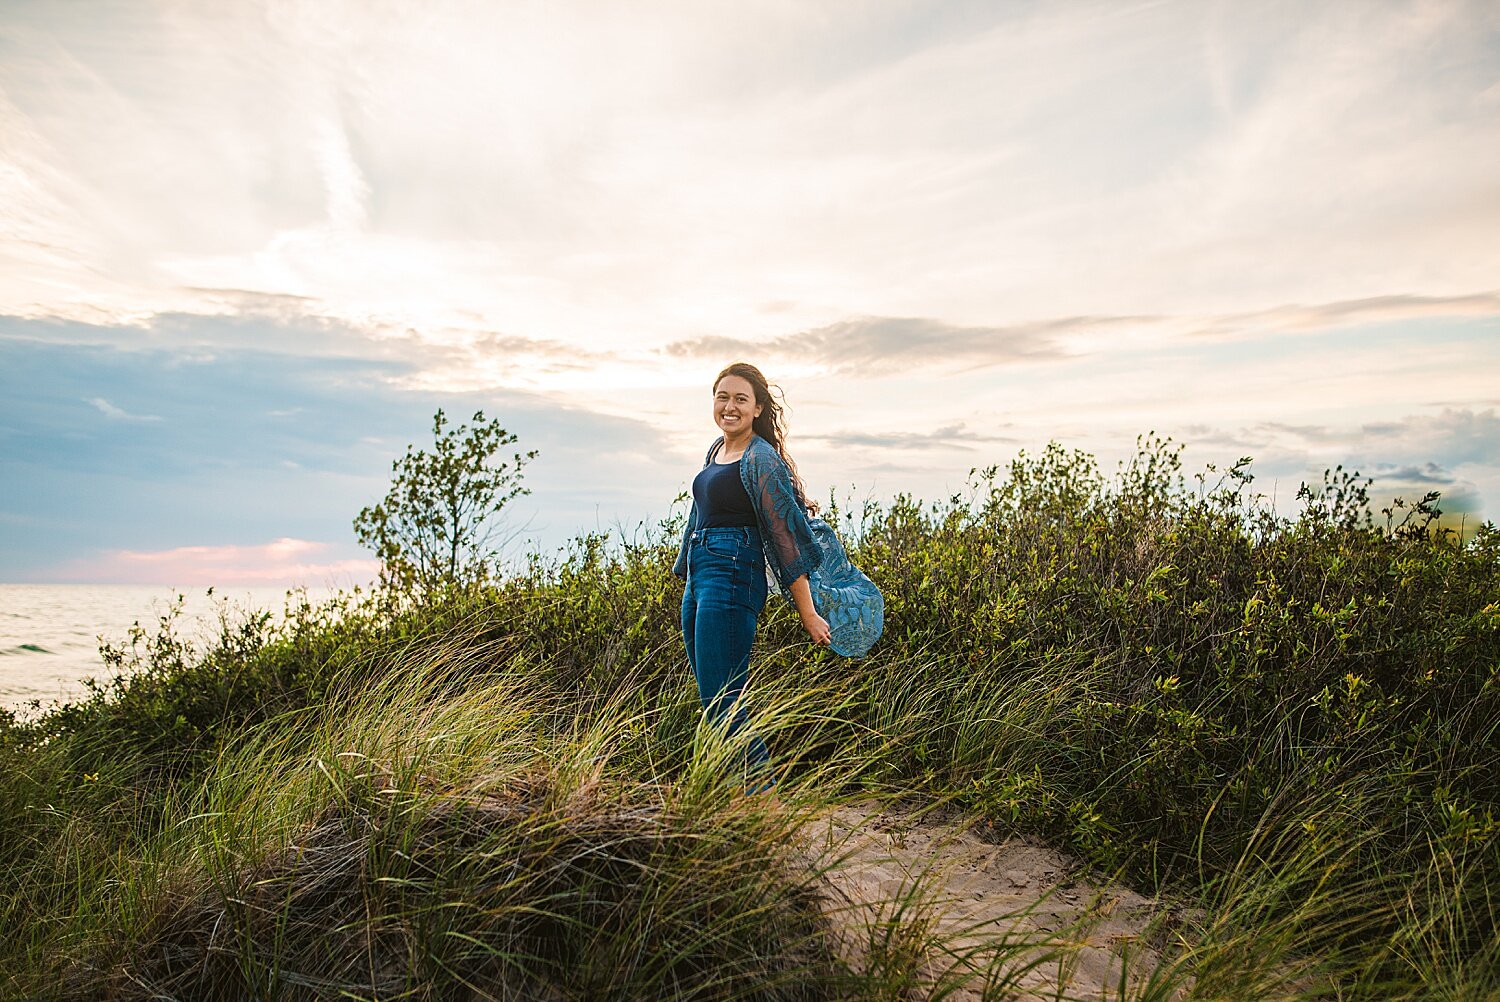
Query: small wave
[[26, 649]]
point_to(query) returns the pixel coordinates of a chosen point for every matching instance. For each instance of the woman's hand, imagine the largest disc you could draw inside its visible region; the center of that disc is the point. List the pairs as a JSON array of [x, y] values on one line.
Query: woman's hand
[[815, 625], [817, 628]]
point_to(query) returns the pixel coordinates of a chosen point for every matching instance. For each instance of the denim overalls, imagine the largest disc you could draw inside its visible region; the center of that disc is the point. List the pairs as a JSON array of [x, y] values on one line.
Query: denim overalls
[[726, 590]]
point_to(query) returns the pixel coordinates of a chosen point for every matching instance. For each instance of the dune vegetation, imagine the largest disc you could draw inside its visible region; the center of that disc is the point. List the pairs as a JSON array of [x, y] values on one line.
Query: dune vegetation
[[1285, 728]]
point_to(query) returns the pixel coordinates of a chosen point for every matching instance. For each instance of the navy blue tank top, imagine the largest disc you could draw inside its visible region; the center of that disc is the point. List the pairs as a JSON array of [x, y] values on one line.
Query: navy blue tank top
[[721, 497]]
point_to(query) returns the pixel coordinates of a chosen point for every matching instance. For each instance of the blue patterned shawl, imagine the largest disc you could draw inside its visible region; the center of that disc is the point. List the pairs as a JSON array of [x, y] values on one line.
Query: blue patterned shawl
[[795, 544]]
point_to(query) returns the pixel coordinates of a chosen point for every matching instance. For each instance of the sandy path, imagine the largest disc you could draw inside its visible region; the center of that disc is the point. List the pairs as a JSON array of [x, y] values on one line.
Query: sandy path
[[992, 921]]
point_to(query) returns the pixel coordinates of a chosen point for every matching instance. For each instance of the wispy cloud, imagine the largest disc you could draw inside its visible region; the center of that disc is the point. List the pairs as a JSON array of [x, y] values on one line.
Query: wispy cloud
[[449, 359], [883, 345], [1453, 436], [655, 173], [1347, 313], [879, 345], [114, 413], [344, 181], [1427, 474], [955, 436], [470, 358]]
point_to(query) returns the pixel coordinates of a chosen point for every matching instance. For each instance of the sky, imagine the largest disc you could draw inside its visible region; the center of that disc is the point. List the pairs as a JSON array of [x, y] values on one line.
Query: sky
[[247, 249]]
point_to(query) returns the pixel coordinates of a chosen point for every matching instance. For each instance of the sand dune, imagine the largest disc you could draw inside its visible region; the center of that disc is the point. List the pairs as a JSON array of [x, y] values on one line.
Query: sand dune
[[993, 920]]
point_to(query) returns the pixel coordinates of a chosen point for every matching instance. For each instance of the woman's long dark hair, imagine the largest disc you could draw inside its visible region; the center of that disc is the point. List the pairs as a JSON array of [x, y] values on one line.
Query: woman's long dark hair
[[771, 425]]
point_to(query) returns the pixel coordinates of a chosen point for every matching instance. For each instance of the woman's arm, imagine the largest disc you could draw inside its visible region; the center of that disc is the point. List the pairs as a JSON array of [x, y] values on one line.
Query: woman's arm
[[815, 625], [791, 548]]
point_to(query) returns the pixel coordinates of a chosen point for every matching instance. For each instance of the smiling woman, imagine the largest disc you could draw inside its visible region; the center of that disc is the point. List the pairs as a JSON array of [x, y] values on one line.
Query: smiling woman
[[749, 511]]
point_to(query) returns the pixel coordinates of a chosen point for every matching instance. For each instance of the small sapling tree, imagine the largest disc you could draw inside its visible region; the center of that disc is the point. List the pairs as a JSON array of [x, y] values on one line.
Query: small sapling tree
[[435, 526]]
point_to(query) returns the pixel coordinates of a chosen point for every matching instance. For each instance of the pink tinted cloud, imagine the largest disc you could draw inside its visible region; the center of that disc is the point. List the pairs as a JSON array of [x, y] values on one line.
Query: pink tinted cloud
[[283, 561]]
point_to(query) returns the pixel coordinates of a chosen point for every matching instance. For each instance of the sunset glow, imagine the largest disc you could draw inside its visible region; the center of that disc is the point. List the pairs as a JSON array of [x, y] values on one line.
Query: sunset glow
[[246, 250]]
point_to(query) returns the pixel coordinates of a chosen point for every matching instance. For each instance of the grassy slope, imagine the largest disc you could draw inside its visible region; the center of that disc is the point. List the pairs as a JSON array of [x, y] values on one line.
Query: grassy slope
[[1291, 721]]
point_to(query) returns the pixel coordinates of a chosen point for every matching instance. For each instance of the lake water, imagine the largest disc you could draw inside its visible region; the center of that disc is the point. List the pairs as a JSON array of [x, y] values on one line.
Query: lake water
[[49, 634]]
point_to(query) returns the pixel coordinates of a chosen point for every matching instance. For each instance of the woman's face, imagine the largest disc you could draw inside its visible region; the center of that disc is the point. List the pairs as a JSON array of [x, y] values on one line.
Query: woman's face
[[735, 408]]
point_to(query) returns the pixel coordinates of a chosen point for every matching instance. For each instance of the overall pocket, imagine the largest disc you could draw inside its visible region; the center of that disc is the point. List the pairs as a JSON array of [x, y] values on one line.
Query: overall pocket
[[723, 544]]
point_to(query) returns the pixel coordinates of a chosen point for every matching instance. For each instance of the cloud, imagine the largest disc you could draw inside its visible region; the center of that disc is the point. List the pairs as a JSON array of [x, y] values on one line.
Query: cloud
[[1321, 434], [441, 359], [1347, 313], [952, 436], [316, 347], [655, 171], [882, 345], [284, 561], [267, 444], [347, 188], [885, 345], [114, 413], [250, 302], [473, 360], [469, 358], [1452, 437], [1427, 474]]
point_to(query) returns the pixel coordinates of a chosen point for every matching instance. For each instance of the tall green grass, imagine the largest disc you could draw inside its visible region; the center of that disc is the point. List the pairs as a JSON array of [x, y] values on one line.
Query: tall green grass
[[1286, 725], [438, 831]]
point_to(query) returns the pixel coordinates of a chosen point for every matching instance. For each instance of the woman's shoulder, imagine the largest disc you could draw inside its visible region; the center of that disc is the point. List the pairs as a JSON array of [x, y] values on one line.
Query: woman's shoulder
[[761, 454], [762, 448]]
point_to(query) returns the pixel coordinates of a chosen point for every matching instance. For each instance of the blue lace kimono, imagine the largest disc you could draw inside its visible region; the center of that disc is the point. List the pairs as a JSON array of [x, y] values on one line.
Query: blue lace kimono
[[796, 544], [844, 596]]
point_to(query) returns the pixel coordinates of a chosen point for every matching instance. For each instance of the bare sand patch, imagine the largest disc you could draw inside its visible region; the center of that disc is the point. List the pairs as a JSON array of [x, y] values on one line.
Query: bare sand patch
[[968, 918]]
